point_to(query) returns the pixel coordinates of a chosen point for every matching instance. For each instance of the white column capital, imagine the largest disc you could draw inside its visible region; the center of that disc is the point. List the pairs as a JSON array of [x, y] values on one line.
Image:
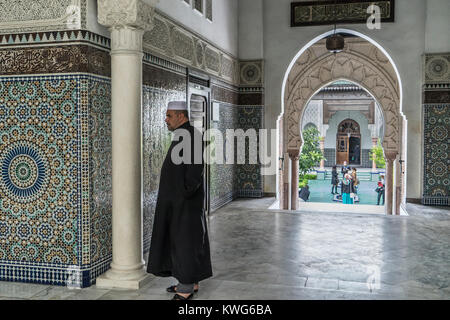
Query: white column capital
[[117, 14]]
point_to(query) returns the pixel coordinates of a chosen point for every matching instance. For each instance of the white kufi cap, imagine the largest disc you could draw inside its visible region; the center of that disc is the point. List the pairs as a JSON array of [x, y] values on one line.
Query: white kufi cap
[[177, 105]]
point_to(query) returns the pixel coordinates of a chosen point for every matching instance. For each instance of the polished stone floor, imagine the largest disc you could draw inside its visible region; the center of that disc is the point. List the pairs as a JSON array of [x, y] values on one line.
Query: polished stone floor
[[273, 254]]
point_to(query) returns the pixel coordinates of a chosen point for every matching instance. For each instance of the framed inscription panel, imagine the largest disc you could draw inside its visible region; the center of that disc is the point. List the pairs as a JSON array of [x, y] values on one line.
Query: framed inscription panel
[[313, 13]]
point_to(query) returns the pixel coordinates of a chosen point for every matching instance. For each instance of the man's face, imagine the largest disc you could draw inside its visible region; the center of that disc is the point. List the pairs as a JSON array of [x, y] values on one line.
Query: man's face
[[173, 119]]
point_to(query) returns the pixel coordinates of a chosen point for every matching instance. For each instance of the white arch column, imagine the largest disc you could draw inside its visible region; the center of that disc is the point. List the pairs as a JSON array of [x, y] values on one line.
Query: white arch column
[[374, 144], [127, 20], [294, 157], [322, 149], [389, 182]]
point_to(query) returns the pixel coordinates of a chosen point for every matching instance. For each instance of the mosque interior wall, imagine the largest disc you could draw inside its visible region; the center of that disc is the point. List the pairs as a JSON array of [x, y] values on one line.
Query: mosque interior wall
[[55, 121], [56, 155]]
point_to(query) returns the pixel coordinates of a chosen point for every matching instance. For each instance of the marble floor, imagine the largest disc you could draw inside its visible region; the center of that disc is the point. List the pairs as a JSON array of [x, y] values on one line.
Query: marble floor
[[261, 254], [335, 207]]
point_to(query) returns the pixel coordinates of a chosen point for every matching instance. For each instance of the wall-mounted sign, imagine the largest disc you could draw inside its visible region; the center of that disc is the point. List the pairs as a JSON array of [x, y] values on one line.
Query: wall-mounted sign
[[215, 111], [313, 13]]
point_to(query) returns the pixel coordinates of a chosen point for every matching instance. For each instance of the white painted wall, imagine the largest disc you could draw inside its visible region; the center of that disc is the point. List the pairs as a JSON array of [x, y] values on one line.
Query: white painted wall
[[251, 29], [437, 36], [404, 41], [222, 31]]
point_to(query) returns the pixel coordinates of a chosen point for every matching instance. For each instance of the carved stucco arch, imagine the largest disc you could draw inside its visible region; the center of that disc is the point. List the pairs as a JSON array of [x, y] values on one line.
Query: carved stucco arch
[[360, 62]]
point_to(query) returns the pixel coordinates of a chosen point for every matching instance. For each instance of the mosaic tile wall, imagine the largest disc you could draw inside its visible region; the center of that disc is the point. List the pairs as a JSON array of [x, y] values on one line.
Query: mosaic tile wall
[[365, 160], [237, 180], [436, 126], [223, 176], [100, 177], [55, 217], [249, 180], [160, 87], [436, 154], [330, 155]]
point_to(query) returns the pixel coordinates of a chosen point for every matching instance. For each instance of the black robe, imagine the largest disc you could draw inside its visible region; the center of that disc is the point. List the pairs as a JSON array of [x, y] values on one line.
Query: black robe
[[334, 178], [179, 245]]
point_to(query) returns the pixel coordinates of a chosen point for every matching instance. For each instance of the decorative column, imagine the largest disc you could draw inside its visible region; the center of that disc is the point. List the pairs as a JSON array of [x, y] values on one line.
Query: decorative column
[[294, 157], [282, 160], [389, 183], [127, 20], [398, 186], [322, 149], [374, 144]]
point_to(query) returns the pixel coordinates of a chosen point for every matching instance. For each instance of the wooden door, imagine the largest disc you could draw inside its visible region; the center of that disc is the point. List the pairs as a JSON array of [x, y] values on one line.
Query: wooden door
[[346, 129], [341, 149]]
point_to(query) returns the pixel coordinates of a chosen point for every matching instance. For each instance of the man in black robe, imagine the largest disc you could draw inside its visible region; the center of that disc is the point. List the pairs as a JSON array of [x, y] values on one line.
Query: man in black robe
[[179, 245]]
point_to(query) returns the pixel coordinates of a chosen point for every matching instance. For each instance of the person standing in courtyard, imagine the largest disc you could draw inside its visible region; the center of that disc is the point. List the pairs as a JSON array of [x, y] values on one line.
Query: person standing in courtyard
[[344, 169], [347, 189], [355, 180], [334, 181], [179, 244], [380, 190]]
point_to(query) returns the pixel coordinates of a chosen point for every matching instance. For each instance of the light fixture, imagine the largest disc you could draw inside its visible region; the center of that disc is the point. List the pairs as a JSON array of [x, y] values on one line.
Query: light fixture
[[335, 43]]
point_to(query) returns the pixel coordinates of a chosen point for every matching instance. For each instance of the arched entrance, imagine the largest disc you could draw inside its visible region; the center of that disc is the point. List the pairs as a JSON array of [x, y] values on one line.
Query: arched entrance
[[360, 62], [348, 143]]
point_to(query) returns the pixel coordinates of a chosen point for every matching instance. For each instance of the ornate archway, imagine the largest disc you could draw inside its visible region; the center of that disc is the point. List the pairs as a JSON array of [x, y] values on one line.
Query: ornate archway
[[360, 62]]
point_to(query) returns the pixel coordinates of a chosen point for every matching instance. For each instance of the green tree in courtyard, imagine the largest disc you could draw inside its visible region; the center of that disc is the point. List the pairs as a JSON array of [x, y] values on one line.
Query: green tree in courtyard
[[311, 154], [377, 154]]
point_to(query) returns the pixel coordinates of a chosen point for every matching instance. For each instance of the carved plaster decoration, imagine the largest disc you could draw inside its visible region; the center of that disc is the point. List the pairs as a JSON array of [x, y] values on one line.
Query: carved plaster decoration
[[159, 37], [366, 107], [360, 62], [199, 54], [226, 67], [184, 48], [212, 59], [168, 39], [51, 59], [126, 13], [127, 21], [42, 15]]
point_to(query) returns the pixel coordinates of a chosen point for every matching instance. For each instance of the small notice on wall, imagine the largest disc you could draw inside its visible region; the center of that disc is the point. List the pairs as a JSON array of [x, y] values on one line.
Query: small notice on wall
[[312, 13]]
